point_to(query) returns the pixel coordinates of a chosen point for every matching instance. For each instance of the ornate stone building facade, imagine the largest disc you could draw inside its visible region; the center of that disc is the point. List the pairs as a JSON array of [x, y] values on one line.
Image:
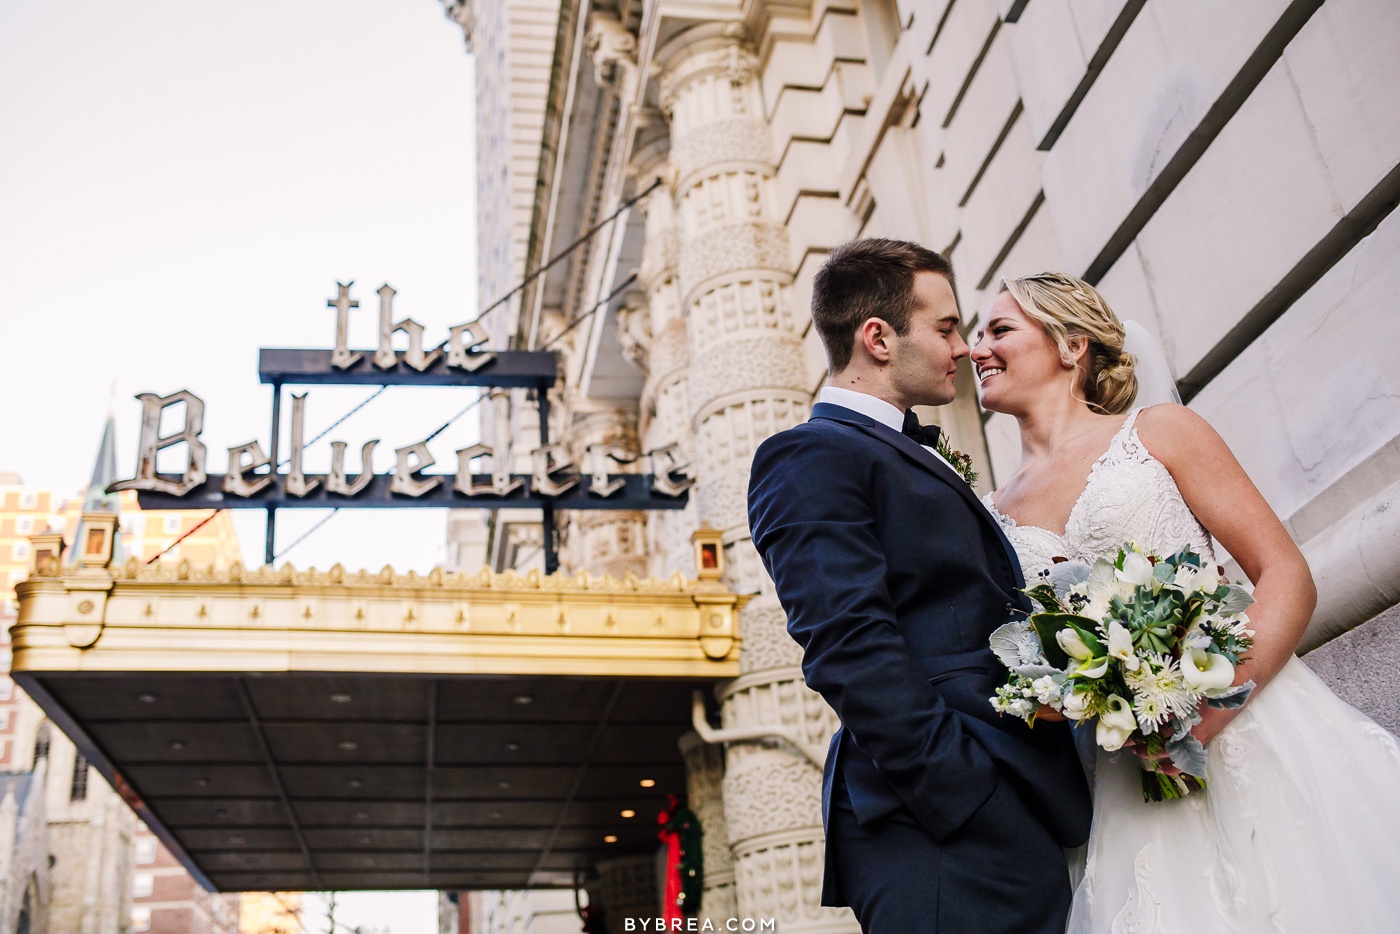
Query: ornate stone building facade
[[1227, 178]]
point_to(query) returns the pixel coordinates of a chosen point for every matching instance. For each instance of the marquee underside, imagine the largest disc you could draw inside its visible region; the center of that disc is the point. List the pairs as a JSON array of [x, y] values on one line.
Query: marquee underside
[[281, 730]]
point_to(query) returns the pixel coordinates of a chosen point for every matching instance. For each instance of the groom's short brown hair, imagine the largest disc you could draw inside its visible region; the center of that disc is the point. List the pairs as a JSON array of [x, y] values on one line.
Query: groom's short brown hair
[[863, 279]]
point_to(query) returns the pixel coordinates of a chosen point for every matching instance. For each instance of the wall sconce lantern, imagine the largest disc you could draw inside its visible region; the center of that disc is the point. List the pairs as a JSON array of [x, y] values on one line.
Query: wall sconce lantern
[[709, 552], [47, 550], [98, 533]]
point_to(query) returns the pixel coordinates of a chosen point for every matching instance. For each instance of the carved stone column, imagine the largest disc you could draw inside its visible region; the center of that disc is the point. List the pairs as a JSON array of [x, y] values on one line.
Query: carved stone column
[[745, 381], [704, 779], [664, 416], [627, 889]]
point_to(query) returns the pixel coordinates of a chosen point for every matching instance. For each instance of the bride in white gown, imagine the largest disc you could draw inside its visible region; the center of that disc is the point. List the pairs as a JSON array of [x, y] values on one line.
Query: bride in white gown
[[1297, 830]]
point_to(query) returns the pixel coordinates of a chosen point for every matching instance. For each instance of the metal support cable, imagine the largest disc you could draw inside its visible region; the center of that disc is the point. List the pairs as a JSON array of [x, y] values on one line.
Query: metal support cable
[[506, 297], [440, 429], [304, 535], [157, 556], [622, 287], [335, 424], [562, 254]]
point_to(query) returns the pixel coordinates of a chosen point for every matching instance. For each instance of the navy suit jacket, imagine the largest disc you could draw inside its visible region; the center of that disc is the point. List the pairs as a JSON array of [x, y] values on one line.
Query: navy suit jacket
[[893, 576]]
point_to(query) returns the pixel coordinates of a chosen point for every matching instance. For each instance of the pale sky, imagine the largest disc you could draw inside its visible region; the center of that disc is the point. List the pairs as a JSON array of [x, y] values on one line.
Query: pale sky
[[183, 182]]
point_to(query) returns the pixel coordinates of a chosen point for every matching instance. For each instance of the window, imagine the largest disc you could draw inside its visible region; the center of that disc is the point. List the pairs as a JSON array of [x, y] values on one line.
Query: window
[[145, 851], [41, 743], [24, 525], [21, 551], [7, 688], [28, 500], [4, 719], [78, 790], [142, 884], [140, 919], [172, 524]]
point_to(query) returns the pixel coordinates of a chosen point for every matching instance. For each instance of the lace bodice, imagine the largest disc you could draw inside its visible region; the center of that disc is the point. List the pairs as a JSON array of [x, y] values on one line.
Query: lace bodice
[[1129, 497]]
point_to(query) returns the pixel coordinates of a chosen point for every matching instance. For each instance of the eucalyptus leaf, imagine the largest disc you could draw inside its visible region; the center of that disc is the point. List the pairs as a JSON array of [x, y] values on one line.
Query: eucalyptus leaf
[[1233, 698], [1235, 601], [1067, 574], [1162, 572], [1014, 643], [1187, 754], [1039, 671]]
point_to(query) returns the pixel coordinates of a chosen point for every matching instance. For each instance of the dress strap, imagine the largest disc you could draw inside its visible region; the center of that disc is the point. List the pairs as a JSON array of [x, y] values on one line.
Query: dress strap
[[1131, 420], [1123, 438]]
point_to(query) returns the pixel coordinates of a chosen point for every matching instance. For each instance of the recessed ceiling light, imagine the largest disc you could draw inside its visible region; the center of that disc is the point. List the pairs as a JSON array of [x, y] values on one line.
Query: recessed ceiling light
[[512, 747], [356, 783], [237, 841], [347, 745], [340, 697], [610, 838], [202, 782], [361, 815], [177, 744], [524, 699], [369, 860], [364, 839], [147, 698], [503, 785], [647, 783], [629, 813], [494, 815]]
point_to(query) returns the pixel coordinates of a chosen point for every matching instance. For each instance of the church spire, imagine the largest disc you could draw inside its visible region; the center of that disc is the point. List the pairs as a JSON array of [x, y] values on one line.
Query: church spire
[[104, 471]]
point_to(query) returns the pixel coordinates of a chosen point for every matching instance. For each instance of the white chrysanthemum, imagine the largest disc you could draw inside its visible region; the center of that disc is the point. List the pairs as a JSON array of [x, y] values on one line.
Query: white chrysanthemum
[[1150, 711], [1159, 678]]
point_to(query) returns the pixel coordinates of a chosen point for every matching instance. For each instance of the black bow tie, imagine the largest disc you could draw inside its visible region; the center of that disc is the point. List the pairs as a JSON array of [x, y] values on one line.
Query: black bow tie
[[924, 434]]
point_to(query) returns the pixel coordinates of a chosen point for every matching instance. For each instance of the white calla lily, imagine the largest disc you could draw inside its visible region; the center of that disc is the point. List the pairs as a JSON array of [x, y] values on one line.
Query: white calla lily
[[1116, 724], [1136, 570], [1120, 645], [1206, 672], [1093, 668], [1189, 577]]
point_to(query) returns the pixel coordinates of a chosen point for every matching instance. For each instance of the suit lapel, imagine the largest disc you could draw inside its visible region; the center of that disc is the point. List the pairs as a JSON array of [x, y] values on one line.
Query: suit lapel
[[921, 456]]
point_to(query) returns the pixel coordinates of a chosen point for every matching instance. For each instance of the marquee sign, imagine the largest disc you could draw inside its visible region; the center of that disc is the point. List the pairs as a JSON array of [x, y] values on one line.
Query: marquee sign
[[482, 477]]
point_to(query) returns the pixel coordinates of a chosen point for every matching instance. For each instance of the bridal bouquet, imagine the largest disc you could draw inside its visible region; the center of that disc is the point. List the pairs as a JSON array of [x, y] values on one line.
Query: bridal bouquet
[[1137, 642]]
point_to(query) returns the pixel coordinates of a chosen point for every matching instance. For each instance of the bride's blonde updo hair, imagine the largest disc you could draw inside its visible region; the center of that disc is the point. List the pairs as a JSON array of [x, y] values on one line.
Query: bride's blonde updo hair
[[1068, 309]]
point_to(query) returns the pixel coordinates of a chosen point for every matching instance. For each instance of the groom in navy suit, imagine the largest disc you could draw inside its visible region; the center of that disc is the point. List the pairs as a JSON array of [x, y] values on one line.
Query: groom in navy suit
[[940, 815]]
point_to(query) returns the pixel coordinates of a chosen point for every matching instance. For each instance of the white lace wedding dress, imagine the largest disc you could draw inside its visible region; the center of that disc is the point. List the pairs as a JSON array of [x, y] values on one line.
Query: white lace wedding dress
[[1298, 829]]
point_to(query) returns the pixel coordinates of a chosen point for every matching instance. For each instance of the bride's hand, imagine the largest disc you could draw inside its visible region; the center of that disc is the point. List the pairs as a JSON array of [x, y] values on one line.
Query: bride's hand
[[1213, 720], [1159, 762]]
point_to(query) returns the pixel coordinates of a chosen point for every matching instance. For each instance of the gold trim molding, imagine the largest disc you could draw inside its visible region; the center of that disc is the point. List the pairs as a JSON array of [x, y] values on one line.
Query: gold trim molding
[[175, 617]]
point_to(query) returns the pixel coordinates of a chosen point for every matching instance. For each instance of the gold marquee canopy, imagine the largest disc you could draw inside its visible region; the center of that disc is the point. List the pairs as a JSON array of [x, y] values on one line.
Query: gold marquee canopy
[[299, 730]]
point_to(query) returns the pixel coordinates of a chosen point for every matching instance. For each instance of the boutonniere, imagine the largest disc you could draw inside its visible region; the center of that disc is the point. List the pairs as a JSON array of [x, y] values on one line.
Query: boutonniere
[[959, 461]]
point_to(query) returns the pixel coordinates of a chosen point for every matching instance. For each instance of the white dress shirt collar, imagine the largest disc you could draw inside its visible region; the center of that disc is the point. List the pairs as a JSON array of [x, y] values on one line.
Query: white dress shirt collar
[[871, 407], [864, 403]]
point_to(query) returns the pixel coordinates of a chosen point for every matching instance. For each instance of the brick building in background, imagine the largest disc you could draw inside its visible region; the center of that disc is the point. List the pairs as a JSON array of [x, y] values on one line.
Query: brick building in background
[[73, 857]]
